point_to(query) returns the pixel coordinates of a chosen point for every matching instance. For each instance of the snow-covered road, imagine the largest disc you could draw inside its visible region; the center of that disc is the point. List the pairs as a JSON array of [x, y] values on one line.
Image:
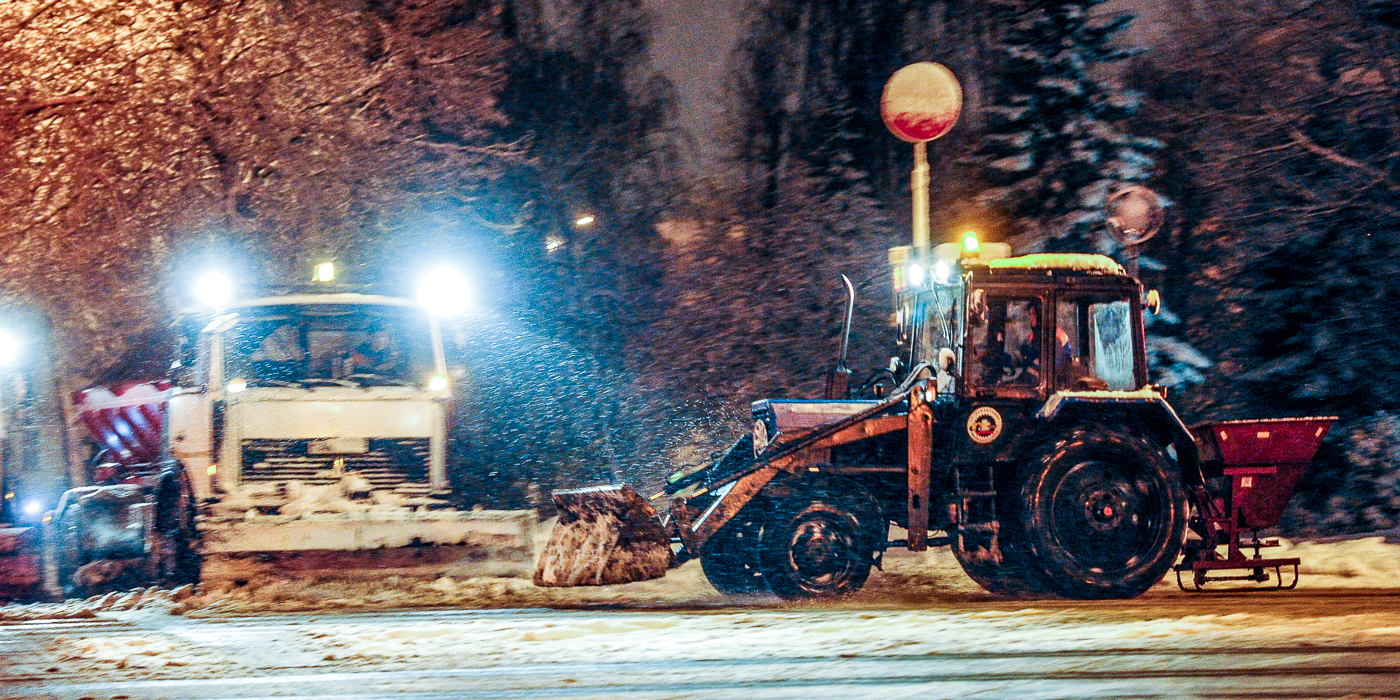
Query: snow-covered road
[[920, 629], [1319, 643]]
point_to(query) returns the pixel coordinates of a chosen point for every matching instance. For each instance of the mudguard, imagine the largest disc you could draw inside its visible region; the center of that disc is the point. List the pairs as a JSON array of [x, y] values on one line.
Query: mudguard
[[1147, 400]]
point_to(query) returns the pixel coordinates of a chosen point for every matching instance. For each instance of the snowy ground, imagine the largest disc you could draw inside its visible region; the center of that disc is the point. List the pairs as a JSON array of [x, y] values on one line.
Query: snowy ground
[[920, 629], [908, 579]]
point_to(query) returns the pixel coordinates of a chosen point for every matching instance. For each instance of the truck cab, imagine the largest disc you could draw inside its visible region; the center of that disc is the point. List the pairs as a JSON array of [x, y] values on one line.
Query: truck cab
[[313, 389]]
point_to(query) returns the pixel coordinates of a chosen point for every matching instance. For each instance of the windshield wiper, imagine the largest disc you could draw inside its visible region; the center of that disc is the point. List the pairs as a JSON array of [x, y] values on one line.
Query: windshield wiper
[[368, 379], [328, 381], [280, 382]]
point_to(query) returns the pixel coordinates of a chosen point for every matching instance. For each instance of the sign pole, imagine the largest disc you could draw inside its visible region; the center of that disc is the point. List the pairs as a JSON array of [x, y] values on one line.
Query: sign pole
[[921, 102], [919, 185]]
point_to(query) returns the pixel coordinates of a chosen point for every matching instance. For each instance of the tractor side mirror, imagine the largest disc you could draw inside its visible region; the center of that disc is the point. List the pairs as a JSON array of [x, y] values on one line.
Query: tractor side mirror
[[1153, 302], [977, 308], [946, 359]]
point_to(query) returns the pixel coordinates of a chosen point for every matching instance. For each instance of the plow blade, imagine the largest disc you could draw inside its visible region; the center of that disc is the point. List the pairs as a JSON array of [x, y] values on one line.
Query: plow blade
[[605, 535]]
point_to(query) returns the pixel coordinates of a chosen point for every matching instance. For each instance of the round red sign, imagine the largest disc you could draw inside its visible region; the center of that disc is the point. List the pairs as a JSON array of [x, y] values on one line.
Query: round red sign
[[921, 102]]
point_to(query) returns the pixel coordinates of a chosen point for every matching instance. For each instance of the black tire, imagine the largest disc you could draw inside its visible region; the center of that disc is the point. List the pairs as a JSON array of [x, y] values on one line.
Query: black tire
[[1013, 573], [819, 543], [173, 560], [67, 551], [1103, 514], [730, 558]]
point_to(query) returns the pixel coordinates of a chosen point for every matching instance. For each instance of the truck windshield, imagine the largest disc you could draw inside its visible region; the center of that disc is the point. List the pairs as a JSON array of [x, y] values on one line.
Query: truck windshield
[[347, 344]]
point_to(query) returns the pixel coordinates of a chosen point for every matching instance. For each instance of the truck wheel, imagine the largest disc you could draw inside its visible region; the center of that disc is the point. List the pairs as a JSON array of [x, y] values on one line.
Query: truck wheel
[[1104, 514], [68, 553], [818, 545], [173, 560], [730, 558]]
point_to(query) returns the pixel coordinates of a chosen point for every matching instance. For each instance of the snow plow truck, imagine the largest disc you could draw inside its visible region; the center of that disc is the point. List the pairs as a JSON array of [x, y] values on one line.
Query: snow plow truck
[[1017, 426], [298, 432]]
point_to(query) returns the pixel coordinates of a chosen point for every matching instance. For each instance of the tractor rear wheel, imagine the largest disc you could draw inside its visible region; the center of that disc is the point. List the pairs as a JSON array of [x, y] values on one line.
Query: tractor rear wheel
[[730, 557], [1103, 513], [1007, 572], [819, 543]]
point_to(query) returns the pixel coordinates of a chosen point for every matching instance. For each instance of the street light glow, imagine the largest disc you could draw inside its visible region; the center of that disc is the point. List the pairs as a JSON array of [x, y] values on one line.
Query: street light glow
[[585, 220], [9, 348], [213, 289]]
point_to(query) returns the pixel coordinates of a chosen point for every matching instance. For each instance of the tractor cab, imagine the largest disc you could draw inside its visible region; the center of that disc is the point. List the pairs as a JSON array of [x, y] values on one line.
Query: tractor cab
[[1021, 328]]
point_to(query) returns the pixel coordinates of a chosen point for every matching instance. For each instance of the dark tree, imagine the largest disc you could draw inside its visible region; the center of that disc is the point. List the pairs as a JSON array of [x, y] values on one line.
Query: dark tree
[[138, 133], [1055, 146]]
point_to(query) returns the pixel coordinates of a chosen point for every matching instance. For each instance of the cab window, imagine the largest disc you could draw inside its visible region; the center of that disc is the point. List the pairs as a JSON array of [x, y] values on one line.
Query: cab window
[[1094, 345], [1006, 346]]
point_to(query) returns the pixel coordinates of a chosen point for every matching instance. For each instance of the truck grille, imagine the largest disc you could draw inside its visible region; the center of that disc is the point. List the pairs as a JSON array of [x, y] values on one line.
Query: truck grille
[[387, 464]]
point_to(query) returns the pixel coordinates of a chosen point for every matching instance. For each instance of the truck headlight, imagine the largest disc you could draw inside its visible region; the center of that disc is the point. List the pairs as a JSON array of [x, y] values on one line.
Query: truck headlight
[[444, 292]]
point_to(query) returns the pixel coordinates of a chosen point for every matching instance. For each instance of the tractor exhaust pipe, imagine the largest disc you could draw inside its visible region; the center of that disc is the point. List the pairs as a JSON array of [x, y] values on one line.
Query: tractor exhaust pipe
[[838, 380]]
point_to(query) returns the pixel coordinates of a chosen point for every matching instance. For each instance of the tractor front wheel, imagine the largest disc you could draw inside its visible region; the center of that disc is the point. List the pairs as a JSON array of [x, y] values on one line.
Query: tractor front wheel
[[730, 558], [818, 544], [1104, 514]]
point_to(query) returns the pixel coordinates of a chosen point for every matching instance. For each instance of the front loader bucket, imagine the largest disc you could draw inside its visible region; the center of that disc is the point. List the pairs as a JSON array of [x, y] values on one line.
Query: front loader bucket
[[605, 535]]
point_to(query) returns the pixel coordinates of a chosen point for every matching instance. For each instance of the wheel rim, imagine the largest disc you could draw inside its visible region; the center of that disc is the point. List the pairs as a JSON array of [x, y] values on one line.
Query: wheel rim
[[823, 554], [1106, 519]]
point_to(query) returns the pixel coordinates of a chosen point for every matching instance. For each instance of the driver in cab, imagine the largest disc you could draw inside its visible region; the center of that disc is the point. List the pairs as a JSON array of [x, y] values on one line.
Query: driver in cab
[[379, 354]]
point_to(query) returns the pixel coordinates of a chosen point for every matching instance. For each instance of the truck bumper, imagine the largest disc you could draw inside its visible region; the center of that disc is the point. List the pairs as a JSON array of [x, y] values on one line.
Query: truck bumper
[[496, 530]]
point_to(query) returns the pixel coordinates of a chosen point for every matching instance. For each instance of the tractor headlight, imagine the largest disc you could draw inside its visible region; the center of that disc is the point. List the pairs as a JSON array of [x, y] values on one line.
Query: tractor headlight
[[942, 272], [916, 275]]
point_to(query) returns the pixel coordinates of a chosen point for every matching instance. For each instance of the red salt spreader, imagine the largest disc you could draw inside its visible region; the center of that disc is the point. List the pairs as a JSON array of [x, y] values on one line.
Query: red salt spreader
[[1251, 469]]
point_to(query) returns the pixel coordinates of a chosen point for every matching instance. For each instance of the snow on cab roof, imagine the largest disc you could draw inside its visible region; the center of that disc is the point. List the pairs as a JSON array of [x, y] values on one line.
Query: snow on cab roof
[[1077, 262]]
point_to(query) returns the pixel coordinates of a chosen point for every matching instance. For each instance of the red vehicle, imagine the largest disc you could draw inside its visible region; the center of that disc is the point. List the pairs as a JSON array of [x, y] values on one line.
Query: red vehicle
[[133, 526]]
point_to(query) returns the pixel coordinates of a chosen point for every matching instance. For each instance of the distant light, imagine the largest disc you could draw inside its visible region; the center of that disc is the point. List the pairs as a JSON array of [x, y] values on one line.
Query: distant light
[[9, 348], [942, 271], [437, 383], [237, 384], [213, 289], [585, 220], [970, 243], [553, 243], [916, 275], [212, 470], [325, 272], [33, 508], [444, 292], [9, 495]]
